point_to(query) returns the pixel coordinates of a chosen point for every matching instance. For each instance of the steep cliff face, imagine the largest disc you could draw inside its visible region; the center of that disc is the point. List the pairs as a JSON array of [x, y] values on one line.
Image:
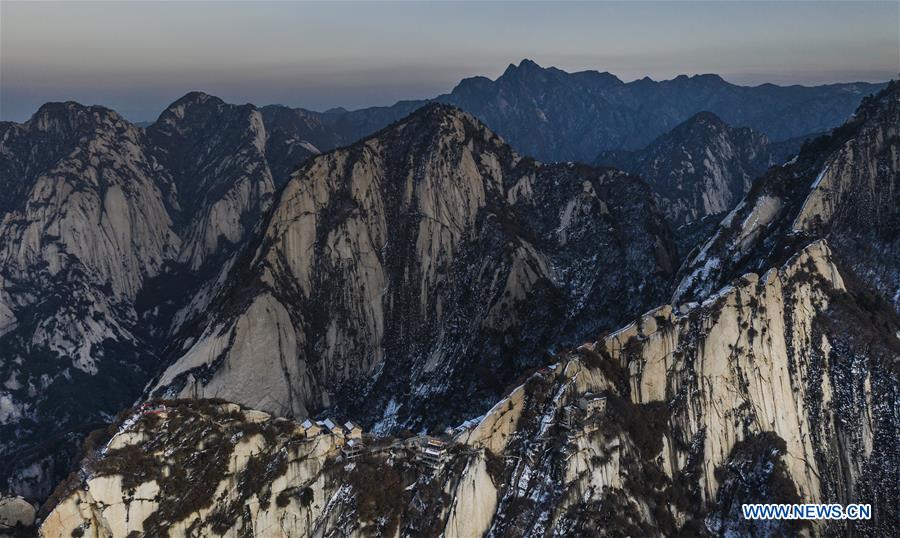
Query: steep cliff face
[[843, 187], [107, 231], [86, 225], [702, 167], [217, 156], [427, 261], [780, 388]]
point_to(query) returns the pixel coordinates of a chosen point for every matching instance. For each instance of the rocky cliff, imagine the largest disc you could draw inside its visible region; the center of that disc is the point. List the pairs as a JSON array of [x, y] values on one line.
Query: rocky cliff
[[779, 388], [424, 262], [107, 230], [701, 168], [843, 187]]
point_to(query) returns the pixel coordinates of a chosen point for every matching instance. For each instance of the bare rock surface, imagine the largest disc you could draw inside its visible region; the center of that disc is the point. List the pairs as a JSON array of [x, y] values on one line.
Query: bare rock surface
[[763, 393], [426, 261]]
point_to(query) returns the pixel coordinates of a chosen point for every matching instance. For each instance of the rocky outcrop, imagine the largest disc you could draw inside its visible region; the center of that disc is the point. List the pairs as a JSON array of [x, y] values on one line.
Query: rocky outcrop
[[701, 168], [842, 187], [425, 261], [16, 516], [766, 392], [107, 231]]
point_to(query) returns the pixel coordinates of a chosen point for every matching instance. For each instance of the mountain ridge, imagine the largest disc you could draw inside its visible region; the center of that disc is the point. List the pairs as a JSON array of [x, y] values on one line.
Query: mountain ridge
[[429, 260], [561, 116], [699, 170], [100, 228], [453, 199]]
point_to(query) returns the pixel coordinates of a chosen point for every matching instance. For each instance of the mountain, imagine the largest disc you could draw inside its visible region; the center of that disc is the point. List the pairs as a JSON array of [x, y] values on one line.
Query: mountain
[[842, 187], [430, 278], [336, 127], [85, 224], [425, 262], [220, 157], [779, 386], [107, 231], [120, 246], [700, 168], [663, 428], [553, 115]]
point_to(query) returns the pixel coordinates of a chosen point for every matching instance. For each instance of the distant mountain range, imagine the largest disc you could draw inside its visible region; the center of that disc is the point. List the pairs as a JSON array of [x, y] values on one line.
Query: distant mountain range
[[553, 115]]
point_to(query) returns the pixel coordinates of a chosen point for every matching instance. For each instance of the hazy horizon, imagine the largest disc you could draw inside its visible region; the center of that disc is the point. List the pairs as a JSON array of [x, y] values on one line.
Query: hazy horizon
[[137, 58]]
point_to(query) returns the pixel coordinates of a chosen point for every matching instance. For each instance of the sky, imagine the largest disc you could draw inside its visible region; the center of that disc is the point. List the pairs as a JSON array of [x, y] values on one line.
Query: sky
[[137, 57]]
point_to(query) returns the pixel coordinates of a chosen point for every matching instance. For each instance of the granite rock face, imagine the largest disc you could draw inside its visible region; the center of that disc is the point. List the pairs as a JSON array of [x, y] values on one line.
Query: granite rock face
[[843, 187], [86, 225], [426, 261], [763, 393], [107, 231], [16, 515]]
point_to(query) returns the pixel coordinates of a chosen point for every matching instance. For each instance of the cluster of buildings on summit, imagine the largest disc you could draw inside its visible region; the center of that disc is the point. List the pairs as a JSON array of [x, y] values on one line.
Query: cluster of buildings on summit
[[429, 451]]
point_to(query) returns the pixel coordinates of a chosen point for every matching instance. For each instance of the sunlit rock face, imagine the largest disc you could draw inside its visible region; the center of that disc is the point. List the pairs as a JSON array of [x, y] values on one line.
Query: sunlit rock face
[[425, 262], [763, 393], [107, 230]]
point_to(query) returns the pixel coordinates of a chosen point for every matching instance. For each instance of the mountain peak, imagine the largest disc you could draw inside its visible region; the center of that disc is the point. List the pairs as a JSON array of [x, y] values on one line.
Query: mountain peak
[[525, 67], [705, 78], [191, 100], [69, 116], [436, 119], [197, 97], [437, 108], [710, 77], [57, 107], [705, 118], [195, 104]]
